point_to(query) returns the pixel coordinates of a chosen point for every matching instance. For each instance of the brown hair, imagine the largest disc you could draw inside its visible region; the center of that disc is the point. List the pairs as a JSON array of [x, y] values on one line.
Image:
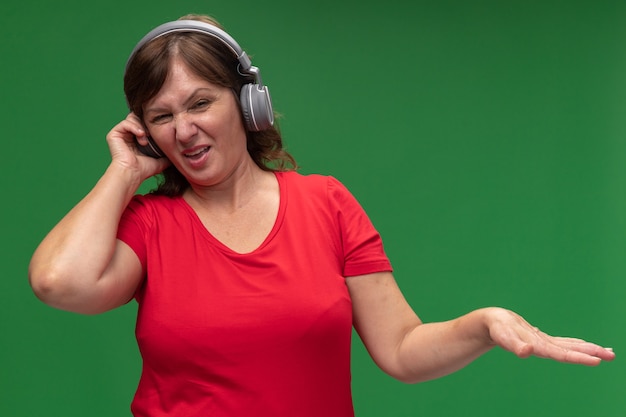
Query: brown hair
[[212, 60]]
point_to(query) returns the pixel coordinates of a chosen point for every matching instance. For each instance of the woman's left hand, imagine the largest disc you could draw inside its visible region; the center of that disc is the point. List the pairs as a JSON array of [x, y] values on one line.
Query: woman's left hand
[[511, 332]]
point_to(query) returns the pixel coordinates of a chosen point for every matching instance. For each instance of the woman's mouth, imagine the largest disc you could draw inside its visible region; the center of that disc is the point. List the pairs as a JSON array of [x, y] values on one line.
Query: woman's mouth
[[197, 156], [196, 153]]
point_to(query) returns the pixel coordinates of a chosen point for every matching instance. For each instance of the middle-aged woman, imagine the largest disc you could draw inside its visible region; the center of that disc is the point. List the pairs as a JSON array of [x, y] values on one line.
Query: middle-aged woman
[[248, 275]]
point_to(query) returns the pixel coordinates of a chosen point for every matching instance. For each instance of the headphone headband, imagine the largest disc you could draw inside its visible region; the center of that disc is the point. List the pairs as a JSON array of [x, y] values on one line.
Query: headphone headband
[[245, 64]]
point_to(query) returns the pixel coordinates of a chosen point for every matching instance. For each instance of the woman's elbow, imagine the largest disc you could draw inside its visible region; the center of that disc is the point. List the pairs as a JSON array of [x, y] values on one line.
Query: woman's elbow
[[55, 289], [405, 377], [394, 368], [47, 284]]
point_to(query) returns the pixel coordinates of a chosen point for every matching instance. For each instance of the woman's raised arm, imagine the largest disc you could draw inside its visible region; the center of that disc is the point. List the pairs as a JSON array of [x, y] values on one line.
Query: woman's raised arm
[[80, 265]]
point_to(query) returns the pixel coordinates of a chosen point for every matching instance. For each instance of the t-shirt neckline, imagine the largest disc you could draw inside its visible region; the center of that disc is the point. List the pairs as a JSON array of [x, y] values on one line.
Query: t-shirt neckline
[[282, 188]]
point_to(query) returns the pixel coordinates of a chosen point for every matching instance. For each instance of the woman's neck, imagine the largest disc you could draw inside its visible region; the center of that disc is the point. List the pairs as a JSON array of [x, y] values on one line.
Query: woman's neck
[[234, 192]]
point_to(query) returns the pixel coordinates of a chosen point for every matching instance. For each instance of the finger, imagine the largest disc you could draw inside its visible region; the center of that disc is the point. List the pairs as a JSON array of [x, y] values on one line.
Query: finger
[[573, 351], [137, 130], [131, 134], [569, 356], [588, 348]]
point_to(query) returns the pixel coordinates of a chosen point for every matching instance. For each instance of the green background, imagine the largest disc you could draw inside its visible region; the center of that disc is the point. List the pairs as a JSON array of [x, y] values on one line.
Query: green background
[[486, 139]]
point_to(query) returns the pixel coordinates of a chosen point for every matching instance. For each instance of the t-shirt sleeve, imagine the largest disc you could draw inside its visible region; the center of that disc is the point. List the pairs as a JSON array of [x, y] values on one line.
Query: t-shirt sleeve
[[134, 226], [359, 241]]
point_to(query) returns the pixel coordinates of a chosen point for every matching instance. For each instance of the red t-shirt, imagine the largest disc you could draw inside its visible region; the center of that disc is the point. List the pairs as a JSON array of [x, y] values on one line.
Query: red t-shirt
[[260, 334]]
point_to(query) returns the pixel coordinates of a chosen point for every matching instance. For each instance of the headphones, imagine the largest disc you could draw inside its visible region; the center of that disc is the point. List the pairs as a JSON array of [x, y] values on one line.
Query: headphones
[[254, 99]]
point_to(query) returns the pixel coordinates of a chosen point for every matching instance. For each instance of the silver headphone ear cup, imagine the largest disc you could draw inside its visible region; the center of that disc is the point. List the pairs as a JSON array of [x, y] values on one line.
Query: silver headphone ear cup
[[256, 107]]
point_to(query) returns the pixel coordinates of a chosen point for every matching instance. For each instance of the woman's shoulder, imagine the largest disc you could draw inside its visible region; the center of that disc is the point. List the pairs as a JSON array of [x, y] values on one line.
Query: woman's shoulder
[[313, 181], [315, 186]]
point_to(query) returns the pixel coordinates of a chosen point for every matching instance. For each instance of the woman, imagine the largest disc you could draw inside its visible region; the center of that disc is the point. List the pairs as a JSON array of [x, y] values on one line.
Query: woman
[[249, 276]]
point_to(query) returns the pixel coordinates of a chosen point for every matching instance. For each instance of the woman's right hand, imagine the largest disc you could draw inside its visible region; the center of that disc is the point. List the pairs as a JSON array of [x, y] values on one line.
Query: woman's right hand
[[122, 141]]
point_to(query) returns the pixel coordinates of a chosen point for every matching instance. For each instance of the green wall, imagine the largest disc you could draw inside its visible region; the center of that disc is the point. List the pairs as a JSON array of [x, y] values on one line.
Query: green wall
[[486, 139]]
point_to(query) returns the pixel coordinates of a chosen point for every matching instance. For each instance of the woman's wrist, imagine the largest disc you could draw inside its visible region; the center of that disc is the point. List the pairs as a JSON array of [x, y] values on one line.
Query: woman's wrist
[[487, 319]]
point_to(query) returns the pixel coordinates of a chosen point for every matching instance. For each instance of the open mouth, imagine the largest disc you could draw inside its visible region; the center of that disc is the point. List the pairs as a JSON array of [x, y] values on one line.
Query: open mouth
[[198, 153]]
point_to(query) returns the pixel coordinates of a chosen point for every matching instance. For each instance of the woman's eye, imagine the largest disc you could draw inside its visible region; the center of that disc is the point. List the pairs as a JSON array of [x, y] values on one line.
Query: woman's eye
[[160, 118], [200, 104]]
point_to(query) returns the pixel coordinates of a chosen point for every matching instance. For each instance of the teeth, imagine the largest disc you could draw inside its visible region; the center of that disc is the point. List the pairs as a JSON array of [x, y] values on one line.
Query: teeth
[[191, 155]]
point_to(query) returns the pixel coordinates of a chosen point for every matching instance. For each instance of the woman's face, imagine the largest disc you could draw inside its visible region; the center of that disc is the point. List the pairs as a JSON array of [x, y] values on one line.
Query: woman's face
[[198, 126]]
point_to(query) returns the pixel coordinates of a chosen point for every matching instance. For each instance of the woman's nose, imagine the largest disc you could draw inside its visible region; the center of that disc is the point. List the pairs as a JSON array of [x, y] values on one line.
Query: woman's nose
[[185, 127]]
